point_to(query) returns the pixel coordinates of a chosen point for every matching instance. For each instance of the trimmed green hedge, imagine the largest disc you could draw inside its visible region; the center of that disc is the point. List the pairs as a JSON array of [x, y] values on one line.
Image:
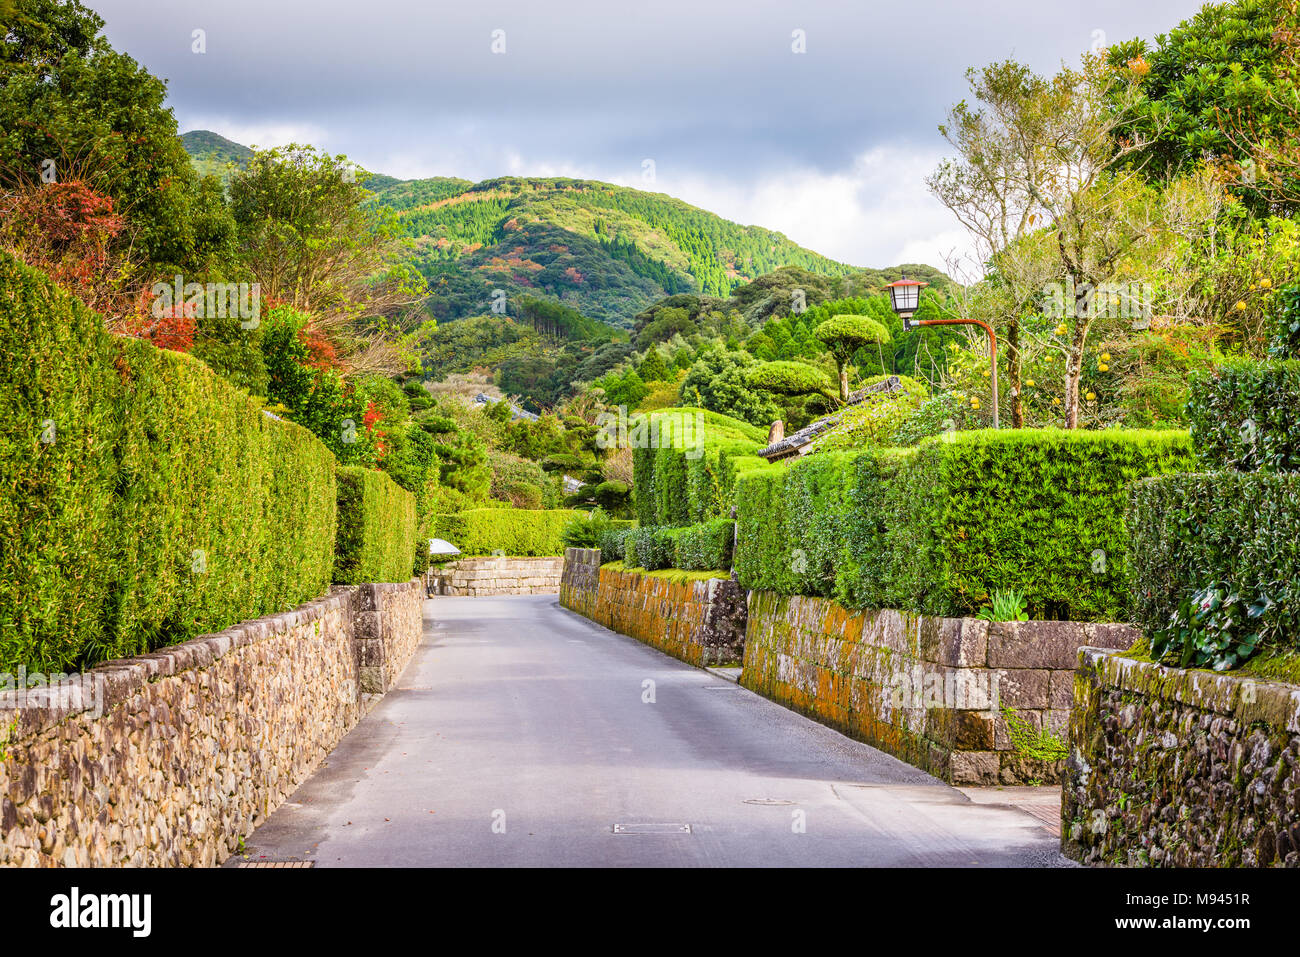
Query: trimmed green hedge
[[509, 531], [938, 528], [680, 480], [611, 544], [650, 547], [1244, 416], [1243, 529], [144, 500], [376, 528], [706, 546]]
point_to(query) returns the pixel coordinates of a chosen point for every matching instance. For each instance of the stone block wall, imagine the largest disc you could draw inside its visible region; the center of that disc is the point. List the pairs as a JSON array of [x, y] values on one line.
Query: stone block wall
[[497, 575], [700, 621], [929, 690], [169, 759], [1175, 768]]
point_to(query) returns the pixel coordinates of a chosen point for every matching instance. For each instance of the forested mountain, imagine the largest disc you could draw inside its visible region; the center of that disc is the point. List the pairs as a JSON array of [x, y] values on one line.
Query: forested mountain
[[607, 251], [213, 153]]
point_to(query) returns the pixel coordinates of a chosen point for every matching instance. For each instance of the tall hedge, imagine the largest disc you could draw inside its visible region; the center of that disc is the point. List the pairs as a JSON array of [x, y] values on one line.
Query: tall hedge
[[1244, 416], [939, 528], [143, 499], [508, 531], [705, 546], [684, 476], [376, 538], [1243, 529]]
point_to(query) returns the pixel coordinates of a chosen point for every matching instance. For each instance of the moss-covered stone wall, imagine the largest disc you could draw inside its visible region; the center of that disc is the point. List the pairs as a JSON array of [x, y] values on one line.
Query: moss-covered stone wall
[[692, 616], [968, 701], [1175, 768]]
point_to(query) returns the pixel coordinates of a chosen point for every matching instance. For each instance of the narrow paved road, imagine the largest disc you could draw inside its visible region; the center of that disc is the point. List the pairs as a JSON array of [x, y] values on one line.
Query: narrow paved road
[[521, 734]]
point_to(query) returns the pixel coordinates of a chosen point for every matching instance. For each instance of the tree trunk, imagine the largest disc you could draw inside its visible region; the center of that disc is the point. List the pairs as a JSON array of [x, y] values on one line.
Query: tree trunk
[[844, 382], [1074, 372]]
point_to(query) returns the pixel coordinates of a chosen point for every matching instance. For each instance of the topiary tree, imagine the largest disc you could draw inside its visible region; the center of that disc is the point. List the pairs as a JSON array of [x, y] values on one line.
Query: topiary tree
[[843, 336], [789, 378]]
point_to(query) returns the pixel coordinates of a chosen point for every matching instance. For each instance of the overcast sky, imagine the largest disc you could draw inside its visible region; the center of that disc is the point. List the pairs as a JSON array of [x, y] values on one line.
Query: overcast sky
[[830, 146]]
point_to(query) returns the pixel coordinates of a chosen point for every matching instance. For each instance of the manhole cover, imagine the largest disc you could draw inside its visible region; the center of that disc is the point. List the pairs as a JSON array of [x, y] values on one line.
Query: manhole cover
[[769, 802], [287, 864], [652, 829]]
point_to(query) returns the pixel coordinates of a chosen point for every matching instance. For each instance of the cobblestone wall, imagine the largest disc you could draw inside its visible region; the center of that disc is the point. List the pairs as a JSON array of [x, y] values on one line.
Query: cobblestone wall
[[700, 621], [1176, 768], [928, 690], [497, 575], [168, 759]]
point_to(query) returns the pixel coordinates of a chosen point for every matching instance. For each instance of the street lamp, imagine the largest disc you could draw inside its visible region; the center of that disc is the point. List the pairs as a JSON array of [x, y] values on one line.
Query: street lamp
[[905, 295]]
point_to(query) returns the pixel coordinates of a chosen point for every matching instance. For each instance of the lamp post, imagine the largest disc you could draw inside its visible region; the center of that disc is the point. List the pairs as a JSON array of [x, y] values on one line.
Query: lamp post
[[905, 294]]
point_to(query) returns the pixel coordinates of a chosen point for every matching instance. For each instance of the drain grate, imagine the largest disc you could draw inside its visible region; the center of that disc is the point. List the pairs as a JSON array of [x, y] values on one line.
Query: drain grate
[[652, 829], [277, 864]]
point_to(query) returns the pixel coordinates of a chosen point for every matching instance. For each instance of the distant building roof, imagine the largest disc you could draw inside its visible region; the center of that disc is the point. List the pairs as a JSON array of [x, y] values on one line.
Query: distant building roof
[[515, 412], [795, 442]]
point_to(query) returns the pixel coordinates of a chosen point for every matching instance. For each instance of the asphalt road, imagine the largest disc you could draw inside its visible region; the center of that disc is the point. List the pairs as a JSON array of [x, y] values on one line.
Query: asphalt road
[[522, 734]]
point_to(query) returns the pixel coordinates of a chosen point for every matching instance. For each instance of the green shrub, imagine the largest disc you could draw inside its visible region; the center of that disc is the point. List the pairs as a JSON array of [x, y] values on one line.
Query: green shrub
[[650, 548], [144, 500], [939, 528], [507, 531], [671, 507], [1243, 416], [1237, 531], [1285, 342], [376, 528], [586, 529], [872, 507], [874, 421], [1040, 511], [643, 486], [932, 417], [611, 543], [705, 486], [706, 546], [681, 475], [762, 550]]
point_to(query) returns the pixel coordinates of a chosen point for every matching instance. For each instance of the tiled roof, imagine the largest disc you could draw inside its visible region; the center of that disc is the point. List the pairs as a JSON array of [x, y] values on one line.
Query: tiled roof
[[797, 440]]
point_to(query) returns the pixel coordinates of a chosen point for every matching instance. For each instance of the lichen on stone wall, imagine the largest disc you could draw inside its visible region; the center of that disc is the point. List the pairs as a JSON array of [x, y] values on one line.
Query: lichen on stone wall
[[935, 692], [699, 620], [1181, 768]]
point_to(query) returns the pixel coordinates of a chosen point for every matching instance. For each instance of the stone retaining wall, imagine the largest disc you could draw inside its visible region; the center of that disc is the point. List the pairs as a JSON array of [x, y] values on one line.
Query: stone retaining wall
[[702, 622], [498, 575], [170, 758], [929, 690], [1179, 768]]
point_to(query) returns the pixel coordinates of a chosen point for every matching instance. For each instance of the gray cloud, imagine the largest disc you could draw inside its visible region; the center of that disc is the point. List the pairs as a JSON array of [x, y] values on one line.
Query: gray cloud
[[710, 90]]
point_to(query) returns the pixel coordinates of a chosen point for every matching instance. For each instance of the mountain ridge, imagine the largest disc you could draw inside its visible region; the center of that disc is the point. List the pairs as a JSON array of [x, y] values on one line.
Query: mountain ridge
[[606, 250]]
